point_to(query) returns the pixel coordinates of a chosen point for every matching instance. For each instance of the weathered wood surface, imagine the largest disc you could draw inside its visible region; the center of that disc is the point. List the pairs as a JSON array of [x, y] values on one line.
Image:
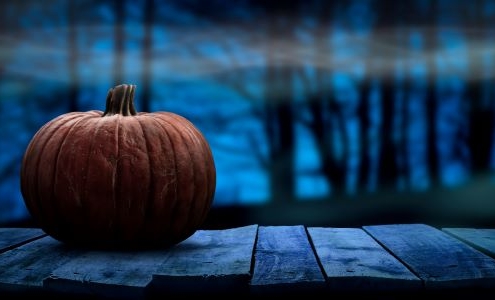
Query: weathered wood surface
[[25, 267], [108, 274], [440, 260], [257, 260], [481, 239], [14, 237], [285, 262], [213, 261], [207, 256], [352, 260]]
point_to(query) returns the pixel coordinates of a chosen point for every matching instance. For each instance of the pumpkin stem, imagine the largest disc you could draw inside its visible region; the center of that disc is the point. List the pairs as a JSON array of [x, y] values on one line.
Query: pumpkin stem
[[120, 100]]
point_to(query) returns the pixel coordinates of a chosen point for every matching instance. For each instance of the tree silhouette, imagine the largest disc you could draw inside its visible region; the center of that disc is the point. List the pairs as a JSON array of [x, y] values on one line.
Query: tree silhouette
[[119, 36], [73, 56], [149, 8]]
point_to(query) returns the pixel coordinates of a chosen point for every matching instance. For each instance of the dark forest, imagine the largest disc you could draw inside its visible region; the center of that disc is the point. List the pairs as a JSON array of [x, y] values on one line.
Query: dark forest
[[320, 112]]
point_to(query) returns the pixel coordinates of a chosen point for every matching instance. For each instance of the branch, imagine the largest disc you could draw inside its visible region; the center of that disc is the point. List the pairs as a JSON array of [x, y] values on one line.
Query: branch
[[257, 151]]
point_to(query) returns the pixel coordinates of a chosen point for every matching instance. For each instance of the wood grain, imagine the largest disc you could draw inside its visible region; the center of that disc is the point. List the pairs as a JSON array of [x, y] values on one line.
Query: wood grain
[[481, 239], [211, 261], [352, 260], [440, 260], [260, 261], [107, 274], [25, 267], [285, 262], [14, 237]]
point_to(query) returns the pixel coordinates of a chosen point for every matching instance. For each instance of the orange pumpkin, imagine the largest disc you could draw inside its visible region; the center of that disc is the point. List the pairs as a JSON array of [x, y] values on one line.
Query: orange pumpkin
[[118, 177]]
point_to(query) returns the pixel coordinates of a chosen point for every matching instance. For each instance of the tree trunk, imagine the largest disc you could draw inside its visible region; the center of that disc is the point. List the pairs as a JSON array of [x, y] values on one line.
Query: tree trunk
[[431, 43], [279, 121], [119, 34], [73, 56], [481, 99], [149, 7]]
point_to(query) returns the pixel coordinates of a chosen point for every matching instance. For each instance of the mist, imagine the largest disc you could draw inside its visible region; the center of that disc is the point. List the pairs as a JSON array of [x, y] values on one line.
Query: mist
[[303, 102]]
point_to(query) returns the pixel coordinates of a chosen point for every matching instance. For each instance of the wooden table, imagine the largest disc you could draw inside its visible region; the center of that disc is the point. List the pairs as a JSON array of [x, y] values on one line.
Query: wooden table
[[396, 260]]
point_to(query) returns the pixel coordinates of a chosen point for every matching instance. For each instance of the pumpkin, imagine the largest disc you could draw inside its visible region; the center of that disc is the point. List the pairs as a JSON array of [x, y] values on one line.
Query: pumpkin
[[118, 176]]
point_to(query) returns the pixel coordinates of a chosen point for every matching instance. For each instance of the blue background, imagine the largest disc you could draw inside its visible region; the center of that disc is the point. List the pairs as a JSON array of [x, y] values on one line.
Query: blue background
[[317, 112]]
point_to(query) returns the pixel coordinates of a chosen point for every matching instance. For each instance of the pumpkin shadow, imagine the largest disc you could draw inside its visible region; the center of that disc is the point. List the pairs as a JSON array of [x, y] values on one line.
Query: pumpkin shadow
[[118, 246]]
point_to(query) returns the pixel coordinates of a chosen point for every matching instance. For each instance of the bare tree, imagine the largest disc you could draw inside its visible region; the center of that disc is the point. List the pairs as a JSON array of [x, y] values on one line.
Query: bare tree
[[390, 152], [73, 55], [340, 112], [279, 120], [149, 8], [119, 34], [480, 90]]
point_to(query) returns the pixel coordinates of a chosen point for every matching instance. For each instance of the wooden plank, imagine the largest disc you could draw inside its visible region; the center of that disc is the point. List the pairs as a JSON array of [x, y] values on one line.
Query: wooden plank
[[352, 260], [209, 256], [211, 261], [481, 239], [106, 274], [440, 260], [285, 262], [24, 268], [14, 237]]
